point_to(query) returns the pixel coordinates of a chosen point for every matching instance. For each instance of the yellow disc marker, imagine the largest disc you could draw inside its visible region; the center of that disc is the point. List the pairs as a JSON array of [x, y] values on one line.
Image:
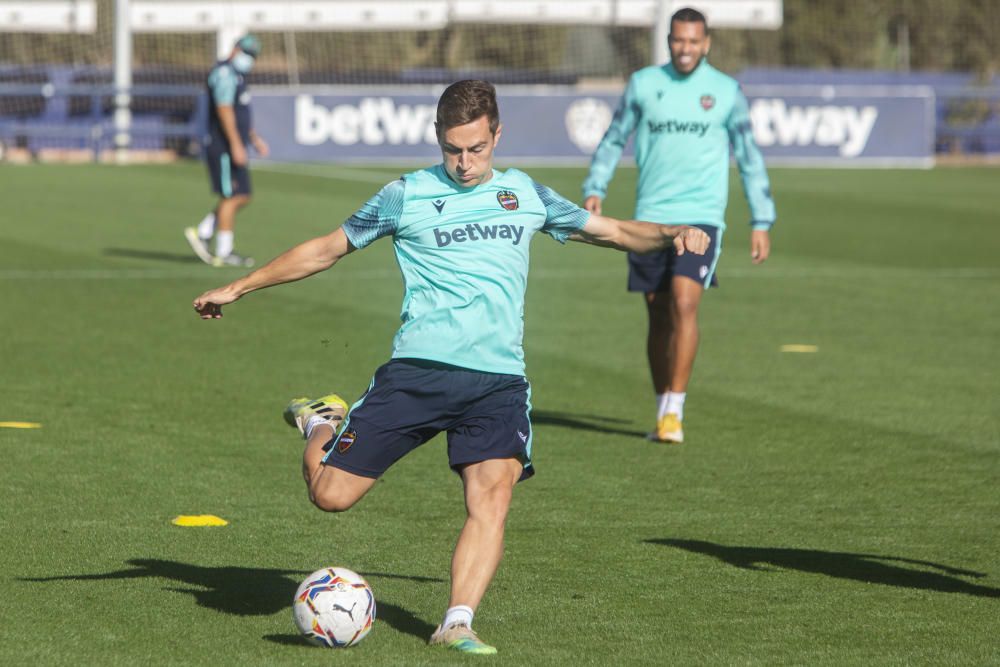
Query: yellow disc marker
[[199, 520], [799, 348], [20, 425]]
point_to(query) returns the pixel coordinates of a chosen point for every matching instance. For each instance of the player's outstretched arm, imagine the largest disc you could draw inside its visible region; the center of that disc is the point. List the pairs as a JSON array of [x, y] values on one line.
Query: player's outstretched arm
[[641, 237], [300, 262]]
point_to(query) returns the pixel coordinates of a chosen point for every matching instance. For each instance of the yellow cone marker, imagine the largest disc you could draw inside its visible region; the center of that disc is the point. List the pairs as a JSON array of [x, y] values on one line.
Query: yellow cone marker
[[199, 520], [20, 425], [799, 348]]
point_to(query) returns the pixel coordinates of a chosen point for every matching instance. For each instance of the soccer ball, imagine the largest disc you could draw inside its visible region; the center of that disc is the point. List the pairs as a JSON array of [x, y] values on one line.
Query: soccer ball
[[334, 607]]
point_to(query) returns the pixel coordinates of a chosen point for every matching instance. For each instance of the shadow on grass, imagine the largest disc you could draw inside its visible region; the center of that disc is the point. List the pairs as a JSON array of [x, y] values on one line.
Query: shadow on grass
[[243, 591], [584, 422], [867, 568], [400, 619], [155, 255]]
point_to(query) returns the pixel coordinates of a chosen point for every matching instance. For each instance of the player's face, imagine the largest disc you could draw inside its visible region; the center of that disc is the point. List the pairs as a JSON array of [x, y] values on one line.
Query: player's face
[[468, 151], [688, 45]]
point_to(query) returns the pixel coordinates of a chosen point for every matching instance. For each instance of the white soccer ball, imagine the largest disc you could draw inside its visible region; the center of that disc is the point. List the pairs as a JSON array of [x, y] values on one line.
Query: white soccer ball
[[334, 607]]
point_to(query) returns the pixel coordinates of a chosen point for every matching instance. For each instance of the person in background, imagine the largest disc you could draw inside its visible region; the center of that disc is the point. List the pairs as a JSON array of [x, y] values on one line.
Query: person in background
[[685, 116], [230, 133]]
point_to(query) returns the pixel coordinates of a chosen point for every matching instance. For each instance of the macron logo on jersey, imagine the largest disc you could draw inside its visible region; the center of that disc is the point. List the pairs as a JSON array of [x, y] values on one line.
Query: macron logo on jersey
[[678, 127], [477, 232]]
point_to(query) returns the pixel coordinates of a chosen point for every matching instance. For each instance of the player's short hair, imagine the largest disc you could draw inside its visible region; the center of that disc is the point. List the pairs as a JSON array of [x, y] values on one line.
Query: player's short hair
[[689, 15], [466, 101]]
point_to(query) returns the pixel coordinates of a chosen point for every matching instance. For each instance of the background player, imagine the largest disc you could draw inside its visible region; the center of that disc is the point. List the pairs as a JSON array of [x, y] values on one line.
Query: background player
[[685, 115], [230, 131], [461, 232]]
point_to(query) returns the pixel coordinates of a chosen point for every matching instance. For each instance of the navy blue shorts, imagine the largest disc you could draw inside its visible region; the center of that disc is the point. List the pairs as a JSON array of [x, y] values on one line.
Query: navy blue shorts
[[652, 272], [228, 179], [486, 416]]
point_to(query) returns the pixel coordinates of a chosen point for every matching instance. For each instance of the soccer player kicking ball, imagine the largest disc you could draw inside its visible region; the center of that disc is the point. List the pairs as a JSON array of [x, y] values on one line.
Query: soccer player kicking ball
[[461, 232]]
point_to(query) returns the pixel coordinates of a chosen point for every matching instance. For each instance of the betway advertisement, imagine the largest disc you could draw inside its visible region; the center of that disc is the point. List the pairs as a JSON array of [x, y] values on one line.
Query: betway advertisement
[[820, 125]]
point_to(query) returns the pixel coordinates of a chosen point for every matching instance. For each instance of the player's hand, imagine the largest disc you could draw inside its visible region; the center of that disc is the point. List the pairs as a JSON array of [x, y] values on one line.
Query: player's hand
[[760, 245], [209, 305], [239, 155], [261, 146], [592, 204], [691, 239]]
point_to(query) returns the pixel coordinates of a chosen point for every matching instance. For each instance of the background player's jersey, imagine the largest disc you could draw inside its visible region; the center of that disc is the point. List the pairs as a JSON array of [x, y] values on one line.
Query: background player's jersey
[[227, 87], [684, 126], [463, 253]]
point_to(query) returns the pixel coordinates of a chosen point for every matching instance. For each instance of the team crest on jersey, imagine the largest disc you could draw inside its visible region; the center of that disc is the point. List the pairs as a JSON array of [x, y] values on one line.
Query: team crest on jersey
[[345, 440], [508, 200], [707, 102]]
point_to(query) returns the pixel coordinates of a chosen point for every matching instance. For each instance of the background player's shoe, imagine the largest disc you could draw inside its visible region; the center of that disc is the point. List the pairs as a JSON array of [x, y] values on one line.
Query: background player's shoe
[[198, 245], [668, 429], [460, 637], [232, 259], [332, 408]]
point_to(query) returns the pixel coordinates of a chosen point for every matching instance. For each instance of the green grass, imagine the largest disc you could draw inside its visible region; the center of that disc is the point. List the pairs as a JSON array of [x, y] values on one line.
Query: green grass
[[833, 508]]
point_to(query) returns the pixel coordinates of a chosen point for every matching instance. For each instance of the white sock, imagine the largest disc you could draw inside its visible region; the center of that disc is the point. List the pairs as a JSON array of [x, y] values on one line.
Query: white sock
[[315, 421], [661, 404], [223, 244], [675, 403], [459, 614], [206, 228]]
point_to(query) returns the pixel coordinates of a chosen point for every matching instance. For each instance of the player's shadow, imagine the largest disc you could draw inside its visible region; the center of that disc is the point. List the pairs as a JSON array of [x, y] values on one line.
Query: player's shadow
[[154, 255], [242, 591], [867, 568], [584, 422]]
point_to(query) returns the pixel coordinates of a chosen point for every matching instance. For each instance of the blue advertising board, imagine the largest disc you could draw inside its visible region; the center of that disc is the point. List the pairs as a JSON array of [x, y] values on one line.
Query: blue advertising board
[[797, 124]]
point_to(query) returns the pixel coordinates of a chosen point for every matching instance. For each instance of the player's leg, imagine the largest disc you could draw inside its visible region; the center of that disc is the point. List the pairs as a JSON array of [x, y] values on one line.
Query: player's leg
[[200, 237], [651, 274], [488, 489], [225, 224], [659, 314], [685, 298], [331, 489], [318, 420], [691, 274], [236, 193], [489, 445]]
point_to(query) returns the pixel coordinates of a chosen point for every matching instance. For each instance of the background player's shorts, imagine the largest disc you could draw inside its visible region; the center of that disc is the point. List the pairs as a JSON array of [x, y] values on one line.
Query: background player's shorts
[[412, 400], [228, 179], [652, 272]]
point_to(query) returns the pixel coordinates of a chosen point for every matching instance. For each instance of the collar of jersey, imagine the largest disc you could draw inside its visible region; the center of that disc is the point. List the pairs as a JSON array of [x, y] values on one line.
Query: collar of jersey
[[674, 75]]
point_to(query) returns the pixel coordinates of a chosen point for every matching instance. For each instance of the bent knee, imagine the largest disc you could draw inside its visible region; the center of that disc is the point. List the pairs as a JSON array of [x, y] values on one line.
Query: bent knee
[[330, 500]]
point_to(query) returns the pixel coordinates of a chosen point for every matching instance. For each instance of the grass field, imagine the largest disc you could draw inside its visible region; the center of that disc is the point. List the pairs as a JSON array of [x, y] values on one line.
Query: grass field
[[837, 507]]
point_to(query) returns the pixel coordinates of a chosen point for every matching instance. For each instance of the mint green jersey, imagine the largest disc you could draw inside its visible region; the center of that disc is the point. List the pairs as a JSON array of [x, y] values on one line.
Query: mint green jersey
[[463, 253], [684, 126]]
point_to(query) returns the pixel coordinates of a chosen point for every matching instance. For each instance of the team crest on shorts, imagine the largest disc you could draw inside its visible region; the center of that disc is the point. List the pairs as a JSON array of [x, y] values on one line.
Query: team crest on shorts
[[345, 440], [508, 200], [707, 102]]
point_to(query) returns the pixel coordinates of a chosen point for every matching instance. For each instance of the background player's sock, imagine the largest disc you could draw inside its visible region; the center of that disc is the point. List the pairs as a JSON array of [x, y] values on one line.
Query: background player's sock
[[223, 244], [206, 228], [675, 404], [661, 404], [458, 614]]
